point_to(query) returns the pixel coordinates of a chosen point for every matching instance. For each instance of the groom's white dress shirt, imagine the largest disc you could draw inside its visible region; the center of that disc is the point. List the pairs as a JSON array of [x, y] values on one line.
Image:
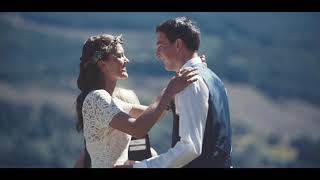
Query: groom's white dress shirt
[[192, 107]]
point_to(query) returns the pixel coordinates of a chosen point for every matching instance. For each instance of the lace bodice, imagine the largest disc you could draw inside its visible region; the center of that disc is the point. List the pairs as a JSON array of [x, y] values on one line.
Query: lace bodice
[[107, 146]]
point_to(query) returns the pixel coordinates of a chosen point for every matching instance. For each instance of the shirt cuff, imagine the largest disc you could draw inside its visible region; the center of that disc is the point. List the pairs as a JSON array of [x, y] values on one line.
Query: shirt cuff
[[141, 164]]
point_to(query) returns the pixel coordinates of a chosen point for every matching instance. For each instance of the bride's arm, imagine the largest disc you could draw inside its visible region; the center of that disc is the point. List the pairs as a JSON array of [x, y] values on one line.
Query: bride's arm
[[138, 109], [139, 127]]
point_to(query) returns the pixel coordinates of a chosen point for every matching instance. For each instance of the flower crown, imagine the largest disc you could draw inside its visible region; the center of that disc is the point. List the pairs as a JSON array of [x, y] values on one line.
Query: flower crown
[[105, 49]]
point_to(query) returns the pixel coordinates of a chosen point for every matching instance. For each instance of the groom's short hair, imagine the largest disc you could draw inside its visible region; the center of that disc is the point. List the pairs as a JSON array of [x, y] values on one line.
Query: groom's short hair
[[183, 28]]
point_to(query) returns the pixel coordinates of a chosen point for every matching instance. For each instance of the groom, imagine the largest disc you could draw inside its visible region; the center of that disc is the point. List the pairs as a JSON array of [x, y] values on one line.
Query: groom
[[201, 130]]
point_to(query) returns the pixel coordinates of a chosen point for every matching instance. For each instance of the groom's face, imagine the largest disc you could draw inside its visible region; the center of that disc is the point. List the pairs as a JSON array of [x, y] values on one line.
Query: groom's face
[[166, 52]]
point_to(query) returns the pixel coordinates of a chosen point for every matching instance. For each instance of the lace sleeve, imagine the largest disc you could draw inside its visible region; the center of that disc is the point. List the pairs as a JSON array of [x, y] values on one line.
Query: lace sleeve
[[106, 108]]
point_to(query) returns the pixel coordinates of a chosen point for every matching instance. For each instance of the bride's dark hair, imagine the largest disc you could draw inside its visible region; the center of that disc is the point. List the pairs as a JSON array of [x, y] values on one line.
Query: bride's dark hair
[[90, 77]]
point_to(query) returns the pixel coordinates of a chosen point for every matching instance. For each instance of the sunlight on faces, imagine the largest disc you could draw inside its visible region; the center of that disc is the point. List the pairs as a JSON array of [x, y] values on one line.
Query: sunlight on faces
[[116, 64], [166, 52]]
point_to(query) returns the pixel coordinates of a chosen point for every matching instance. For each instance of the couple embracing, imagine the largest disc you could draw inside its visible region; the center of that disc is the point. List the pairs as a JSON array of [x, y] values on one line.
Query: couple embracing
[[201, 128]]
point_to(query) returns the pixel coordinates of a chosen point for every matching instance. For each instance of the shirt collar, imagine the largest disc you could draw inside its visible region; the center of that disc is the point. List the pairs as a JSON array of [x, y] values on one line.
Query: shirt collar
[[191, 62]]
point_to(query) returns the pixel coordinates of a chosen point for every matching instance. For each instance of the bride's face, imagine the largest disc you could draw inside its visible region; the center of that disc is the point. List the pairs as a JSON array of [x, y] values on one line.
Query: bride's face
[[116, 63]]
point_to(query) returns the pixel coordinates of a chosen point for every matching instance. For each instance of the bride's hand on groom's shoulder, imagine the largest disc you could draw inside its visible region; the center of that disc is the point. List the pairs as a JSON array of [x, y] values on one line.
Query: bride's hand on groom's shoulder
[[181, 80]]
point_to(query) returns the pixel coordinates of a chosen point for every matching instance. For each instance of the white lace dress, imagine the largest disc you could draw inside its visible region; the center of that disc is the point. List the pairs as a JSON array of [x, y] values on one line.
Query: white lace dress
[[107, 146]]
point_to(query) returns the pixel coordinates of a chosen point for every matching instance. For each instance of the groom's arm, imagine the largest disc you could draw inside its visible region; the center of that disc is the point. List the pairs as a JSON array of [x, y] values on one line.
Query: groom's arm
[[192, 105]]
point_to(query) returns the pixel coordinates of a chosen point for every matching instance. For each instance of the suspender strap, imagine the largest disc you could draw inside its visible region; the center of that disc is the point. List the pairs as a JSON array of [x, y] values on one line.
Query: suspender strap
[[175, 126]]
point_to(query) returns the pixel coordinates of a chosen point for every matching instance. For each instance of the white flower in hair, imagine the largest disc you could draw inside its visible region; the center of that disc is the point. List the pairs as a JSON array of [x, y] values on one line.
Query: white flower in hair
[[97, 55], [113, 43], [105, 50]]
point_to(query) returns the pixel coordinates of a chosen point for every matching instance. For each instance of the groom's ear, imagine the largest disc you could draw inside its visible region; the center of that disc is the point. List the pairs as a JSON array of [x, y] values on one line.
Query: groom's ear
[[179, 44]]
